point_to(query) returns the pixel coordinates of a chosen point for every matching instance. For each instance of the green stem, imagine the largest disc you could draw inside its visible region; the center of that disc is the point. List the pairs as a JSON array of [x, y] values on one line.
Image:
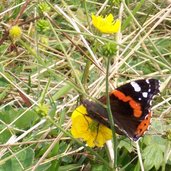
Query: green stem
[[114, 142], [139, 156]]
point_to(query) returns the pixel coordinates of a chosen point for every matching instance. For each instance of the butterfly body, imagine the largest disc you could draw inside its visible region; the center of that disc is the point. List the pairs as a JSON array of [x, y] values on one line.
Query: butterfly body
[[130, 105]]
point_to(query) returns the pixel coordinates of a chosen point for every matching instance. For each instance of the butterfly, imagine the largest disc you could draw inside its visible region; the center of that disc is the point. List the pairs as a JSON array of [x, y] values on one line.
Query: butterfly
[[130, 105]]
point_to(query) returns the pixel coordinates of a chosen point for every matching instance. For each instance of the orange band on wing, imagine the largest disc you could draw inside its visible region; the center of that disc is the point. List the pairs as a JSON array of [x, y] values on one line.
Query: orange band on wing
[[143, 126], [134, 105]]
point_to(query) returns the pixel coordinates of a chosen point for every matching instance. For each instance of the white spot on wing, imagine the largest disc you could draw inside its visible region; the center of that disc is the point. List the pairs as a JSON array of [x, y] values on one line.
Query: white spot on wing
[[147, 81], [145, 94], [136, 87]]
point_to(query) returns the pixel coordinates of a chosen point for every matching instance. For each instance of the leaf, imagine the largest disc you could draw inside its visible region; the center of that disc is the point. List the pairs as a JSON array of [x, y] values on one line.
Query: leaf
[[153, 156], [54, 151], [126, 144], [3, 82], [70, 167], [62, 91], [128, 20], [5, 135], [98, 167], [27, 120], [20, 162], [43, 167], [9, 114], [137, 166]]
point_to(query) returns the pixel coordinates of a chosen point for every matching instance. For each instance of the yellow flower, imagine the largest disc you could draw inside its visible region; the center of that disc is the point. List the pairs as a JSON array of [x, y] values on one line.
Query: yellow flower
[[107, 24], [15, 32], [88, 130]]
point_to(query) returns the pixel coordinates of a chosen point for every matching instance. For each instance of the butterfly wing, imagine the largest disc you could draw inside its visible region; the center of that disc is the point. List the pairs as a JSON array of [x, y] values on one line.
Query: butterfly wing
[[130, 106], [99, 113], [134, 114], [139, 94]]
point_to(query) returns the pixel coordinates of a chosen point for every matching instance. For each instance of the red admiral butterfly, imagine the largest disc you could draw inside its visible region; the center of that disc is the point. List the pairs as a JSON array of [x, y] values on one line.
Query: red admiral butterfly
[[130, 106]]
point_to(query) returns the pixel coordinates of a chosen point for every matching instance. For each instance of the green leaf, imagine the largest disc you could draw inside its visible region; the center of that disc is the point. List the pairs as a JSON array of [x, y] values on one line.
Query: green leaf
[[137, 167], [70, 167], [55, 150], [43, 167], [3, 82], [5, 135], [64, 90], [9, 114], [126, 144], [20, 161], [98, 167], [129, 19], [153, 156], [27, 120]]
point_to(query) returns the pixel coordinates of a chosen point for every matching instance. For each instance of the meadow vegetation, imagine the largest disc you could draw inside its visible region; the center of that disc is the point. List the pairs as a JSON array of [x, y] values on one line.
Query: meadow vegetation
[[51, 56]]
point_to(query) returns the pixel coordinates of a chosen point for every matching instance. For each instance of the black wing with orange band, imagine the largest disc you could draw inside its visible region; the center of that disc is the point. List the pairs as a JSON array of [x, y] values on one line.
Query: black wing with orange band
[[130, 106]]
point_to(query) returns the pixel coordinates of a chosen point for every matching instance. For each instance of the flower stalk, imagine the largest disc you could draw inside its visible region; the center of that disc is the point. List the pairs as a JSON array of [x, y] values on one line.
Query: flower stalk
[[114, 141]]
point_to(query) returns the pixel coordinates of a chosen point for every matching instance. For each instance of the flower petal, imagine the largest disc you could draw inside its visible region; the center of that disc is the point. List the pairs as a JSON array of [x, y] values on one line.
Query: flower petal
[[107, 24], [88, 130]]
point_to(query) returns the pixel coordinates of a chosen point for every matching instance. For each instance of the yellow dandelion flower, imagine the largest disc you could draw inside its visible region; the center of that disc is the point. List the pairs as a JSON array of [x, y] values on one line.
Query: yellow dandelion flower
[[106, 24], [15, 32], [88, 130]]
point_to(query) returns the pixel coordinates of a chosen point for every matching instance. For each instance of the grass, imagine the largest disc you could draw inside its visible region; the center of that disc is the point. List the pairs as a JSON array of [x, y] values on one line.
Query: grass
[[60, 59]]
